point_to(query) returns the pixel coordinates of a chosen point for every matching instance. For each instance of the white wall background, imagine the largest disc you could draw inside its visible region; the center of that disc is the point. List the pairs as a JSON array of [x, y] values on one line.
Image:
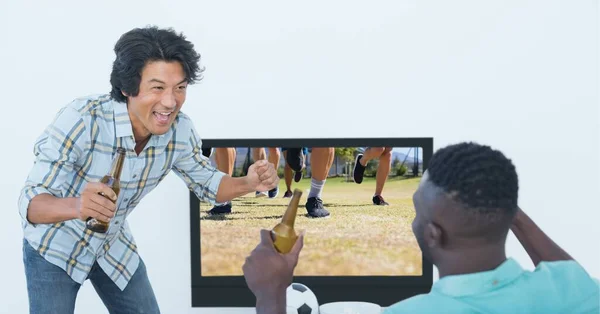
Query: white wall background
[[521, 75]]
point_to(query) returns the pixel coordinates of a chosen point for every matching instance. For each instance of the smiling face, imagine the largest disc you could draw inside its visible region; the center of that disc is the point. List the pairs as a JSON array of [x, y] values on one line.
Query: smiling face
[[161, 94]]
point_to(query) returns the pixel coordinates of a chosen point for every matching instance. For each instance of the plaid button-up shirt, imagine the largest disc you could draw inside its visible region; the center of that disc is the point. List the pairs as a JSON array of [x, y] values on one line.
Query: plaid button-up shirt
[[78, 147]]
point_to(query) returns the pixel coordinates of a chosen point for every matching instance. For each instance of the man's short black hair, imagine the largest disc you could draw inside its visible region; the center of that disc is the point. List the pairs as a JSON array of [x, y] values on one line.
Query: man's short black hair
[[479, 177], [141, 45]]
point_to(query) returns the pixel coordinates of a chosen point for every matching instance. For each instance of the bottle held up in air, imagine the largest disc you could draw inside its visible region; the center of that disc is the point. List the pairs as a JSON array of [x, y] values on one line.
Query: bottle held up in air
[[283, 234]]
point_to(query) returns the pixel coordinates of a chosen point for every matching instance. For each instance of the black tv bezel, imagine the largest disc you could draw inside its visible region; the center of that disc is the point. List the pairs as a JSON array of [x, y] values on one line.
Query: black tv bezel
[[232, 291]]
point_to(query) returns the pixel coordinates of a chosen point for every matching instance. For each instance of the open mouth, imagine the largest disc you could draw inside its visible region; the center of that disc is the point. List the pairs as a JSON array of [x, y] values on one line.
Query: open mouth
[[162, 117]]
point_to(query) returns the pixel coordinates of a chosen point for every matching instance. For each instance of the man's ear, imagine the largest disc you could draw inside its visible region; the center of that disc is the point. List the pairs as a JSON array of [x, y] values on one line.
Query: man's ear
[[433, 235], [124, 93]]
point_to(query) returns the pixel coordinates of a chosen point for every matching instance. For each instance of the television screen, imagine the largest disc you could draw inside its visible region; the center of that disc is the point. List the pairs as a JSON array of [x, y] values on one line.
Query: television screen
[[356, 208]]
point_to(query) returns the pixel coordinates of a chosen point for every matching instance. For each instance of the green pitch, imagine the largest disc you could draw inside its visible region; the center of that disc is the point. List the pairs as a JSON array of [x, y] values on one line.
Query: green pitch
[[358, 238]]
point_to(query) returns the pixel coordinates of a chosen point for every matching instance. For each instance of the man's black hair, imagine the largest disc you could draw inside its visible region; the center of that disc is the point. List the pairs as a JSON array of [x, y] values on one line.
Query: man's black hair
[[141, 45], [479, 177]]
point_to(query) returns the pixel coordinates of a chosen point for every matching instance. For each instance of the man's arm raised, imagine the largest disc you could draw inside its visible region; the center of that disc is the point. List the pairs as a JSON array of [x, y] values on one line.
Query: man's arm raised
[[537, 244]]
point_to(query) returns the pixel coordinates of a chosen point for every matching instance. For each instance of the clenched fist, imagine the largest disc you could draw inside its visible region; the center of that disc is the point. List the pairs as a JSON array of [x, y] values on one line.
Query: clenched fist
[[262, 176], [92, 204]]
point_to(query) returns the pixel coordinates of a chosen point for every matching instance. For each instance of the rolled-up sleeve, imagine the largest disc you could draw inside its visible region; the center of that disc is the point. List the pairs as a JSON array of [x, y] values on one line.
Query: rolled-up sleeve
[[196, 170], [56, 152]]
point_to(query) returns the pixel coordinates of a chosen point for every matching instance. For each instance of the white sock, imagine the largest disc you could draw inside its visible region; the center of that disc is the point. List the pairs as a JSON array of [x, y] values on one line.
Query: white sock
[[316, 186]]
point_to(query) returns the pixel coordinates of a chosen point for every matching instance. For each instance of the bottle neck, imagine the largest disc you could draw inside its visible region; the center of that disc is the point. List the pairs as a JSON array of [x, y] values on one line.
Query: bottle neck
[[117, 165], [289, 217]]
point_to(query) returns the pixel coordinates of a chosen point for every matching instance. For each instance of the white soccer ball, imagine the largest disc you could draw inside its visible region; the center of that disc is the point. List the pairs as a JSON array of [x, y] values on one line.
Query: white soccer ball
[[301, 300]]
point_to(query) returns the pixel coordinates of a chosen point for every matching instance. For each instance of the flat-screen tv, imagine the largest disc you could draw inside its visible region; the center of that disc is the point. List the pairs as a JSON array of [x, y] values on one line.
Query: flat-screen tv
[[359, 244]]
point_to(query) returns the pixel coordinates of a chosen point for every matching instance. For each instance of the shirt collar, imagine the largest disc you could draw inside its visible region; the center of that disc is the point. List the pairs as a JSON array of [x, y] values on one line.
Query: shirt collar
[[123, 126], [477, 283]]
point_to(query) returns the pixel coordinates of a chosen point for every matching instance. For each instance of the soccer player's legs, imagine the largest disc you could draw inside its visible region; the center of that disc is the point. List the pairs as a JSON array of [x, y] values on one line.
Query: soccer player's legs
[[383, 170], [287, 175], [225, 159], [298, 175], [385, 159], [274, 157], [295, 158], [361, 161], [321, 159]]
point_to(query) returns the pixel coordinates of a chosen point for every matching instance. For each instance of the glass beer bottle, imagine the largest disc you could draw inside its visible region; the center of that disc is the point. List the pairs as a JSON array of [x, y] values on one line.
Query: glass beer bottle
[[283, 234], [112, 180]]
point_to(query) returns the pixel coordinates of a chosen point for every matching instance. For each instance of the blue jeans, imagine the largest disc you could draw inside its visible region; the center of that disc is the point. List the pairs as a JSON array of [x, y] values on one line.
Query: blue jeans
[[51, 290]]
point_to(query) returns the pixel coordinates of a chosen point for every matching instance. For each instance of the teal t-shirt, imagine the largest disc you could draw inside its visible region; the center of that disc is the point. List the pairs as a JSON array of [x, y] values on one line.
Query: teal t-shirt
[[553, 287]]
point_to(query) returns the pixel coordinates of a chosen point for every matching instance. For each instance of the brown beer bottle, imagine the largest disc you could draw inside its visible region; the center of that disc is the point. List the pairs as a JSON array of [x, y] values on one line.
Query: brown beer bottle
[[283, 234], [112, 179]]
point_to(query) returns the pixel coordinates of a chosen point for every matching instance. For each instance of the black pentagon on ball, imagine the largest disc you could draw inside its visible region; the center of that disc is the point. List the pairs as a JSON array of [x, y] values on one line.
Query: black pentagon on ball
[[298, 287], [304, 309]]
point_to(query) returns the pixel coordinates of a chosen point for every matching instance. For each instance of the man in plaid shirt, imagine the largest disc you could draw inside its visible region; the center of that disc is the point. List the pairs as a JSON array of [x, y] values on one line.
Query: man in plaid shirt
[[150, 75]]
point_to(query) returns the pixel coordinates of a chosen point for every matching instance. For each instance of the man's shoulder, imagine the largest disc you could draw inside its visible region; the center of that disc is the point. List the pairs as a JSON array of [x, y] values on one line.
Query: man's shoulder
[[567, 278], [551, 285], [90, 104], [80, 113], [557, 285], [568, 271]]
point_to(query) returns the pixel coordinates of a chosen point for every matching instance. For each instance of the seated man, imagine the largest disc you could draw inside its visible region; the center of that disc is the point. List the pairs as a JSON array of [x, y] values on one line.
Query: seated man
[[465, 206]]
